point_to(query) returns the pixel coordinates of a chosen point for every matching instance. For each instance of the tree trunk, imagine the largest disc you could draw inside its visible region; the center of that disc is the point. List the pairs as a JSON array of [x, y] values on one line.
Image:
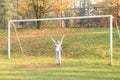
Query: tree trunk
[[59, 23]]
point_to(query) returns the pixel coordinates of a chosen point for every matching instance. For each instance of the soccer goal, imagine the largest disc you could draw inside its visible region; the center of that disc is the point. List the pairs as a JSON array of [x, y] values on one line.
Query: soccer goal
[[86, 36]]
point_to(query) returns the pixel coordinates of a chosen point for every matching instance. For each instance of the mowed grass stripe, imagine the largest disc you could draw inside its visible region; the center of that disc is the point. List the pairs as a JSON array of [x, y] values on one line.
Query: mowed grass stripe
[[71, 69]]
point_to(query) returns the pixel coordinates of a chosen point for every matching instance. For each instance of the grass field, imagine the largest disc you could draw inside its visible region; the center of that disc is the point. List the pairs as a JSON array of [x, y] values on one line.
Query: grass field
[[18, 68], [78, 42], [85, 55]]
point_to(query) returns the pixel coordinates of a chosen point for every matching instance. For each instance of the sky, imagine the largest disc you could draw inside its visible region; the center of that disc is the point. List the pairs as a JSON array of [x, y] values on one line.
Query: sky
[[93, 1]]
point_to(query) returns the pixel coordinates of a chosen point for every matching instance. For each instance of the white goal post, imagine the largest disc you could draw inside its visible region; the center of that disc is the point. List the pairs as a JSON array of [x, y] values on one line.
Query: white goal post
[[78, 17]]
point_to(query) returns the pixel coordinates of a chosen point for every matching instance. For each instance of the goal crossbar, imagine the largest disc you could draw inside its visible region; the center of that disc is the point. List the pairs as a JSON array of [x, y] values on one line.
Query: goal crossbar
[[64, 18], [46, 19]]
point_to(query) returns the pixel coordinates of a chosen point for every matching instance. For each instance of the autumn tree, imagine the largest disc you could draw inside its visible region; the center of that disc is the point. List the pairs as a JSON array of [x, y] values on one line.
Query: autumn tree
[[84, 11], [59, 9], [7, 11], [110, 7], [38, 8]]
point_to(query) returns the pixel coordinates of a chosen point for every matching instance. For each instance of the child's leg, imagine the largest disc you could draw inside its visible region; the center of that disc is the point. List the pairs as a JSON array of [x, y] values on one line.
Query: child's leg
[[57, 57]]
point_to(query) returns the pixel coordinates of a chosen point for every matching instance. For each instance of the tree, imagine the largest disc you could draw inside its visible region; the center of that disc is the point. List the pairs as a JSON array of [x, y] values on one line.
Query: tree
[[59, 9], [110, 7], [38, 8], [84, 11], [7, 12]]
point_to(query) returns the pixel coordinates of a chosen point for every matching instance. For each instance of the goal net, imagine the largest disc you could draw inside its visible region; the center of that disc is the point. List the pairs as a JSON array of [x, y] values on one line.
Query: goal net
[[85, 36]]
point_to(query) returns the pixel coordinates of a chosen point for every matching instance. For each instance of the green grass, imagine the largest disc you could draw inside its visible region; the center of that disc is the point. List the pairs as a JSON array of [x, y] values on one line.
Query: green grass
[[85, 55], [71, 69], [78, 42]]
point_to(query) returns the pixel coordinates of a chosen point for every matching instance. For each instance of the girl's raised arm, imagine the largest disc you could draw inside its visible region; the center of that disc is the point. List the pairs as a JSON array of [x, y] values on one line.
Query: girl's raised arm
[[62, 38], [52, 39]]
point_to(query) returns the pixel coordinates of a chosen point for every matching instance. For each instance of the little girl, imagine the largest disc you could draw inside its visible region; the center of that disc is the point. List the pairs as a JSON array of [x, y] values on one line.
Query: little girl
[[58, 49]]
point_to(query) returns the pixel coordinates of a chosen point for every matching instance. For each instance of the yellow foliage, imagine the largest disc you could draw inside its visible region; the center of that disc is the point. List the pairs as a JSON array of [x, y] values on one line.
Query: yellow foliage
[[61, 6], [57, 6]]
